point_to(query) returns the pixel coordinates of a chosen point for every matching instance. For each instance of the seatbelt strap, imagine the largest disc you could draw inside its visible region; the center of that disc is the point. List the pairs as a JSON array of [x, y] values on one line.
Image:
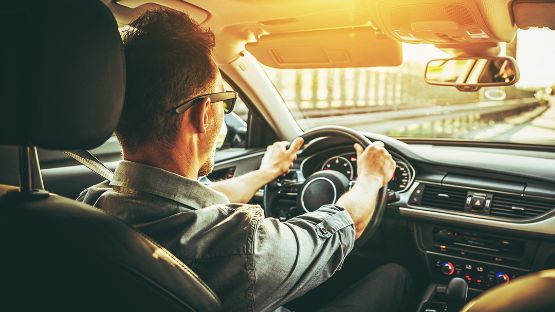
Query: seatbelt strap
[[88, 160]]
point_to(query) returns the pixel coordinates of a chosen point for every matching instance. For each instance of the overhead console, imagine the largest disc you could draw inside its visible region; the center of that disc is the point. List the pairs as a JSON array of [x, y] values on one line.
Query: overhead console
[[445, 22]]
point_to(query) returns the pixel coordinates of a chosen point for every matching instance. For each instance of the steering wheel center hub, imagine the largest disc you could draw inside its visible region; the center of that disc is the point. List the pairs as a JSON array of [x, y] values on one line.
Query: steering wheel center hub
[[322, 188]]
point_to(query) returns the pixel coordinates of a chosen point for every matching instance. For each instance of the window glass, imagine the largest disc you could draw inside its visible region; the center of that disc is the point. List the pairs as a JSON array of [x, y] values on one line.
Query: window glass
[[396, 101], [234, 133]]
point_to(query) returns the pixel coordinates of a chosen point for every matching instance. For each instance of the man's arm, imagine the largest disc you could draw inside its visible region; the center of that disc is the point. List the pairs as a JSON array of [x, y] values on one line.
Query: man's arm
[[301, 253], [292, 257], [241, 189], [375, 167], [276, 161]]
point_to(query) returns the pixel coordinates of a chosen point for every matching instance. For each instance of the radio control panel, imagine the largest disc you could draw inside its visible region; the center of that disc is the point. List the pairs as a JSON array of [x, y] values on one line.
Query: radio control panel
[[483, 259], [479, 275]]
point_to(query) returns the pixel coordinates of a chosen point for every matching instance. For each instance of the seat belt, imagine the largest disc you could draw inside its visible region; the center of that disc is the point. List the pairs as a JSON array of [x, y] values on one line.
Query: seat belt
[[88, 160]]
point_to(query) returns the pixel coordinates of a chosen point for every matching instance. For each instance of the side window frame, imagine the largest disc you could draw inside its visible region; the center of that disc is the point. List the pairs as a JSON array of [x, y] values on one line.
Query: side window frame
[[254, 139]]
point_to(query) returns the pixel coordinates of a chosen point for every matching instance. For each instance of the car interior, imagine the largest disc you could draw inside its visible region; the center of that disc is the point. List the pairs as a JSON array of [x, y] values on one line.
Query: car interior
[[470, 211]]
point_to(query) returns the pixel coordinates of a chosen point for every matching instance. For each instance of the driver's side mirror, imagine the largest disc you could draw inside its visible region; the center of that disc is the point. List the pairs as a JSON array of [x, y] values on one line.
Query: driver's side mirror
[[472, 73], [234, 132]]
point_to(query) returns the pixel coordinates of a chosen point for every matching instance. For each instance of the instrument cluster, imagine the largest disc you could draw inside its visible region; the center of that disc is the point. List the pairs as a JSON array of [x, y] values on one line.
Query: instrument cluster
[[347, 165]]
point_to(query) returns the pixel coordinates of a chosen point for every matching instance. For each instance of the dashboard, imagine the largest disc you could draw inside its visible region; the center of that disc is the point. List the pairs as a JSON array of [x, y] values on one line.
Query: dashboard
[[483, 214], [485, 187]]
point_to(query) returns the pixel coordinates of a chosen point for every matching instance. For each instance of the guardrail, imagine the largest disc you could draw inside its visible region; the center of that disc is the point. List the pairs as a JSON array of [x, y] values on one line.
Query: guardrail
[[462, 116]]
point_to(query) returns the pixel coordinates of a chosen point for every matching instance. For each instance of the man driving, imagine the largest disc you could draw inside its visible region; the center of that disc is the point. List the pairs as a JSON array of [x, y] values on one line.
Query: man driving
[[175, 103]]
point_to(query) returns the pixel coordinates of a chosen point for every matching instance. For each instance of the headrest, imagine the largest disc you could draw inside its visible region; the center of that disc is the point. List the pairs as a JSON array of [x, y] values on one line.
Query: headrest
[[62, 74]]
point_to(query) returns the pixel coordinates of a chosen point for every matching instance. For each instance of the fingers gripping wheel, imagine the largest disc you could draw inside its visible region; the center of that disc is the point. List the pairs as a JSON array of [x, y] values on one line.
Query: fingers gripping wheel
[[325, 187]]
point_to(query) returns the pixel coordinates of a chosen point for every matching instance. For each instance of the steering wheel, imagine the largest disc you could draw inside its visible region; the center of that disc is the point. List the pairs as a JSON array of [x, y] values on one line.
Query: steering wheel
[[326, 186]]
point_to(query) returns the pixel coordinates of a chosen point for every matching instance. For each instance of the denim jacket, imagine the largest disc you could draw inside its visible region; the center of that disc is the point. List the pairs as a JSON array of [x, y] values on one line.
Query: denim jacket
[[253, 263]]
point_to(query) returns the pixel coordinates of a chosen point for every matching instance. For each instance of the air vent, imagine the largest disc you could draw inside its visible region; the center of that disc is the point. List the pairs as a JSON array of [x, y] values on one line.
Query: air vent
[[517, 207], [443, 197]]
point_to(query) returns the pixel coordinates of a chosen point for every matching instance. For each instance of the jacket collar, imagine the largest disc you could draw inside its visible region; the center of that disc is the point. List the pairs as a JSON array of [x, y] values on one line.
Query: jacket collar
[[159, 182]]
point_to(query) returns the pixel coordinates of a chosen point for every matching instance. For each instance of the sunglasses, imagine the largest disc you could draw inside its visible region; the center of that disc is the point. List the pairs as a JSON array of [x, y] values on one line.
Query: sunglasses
[[228, 97]]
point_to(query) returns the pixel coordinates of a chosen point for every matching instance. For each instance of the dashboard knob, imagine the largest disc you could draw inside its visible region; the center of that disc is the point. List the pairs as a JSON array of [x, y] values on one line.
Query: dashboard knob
[[447, 268], [502, 278]]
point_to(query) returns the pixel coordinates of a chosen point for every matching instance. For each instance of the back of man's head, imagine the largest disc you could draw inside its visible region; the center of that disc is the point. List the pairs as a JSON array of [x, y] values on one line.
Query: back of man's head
[[168, 60]]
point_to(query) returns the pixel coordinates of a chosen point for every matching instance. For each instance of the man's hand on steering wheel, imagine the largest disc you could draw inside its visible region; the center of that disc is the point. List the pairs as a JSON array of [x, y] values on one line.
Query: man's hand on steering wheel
[[375, 167], [276, 161], [375, 161], [366, 201], [278, 158]]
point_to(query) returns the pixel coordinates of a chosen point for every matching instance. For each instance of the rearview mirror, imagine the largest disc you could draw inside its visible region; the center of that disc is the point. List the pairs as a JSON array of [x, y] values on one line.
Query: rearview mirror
[[472, 73]]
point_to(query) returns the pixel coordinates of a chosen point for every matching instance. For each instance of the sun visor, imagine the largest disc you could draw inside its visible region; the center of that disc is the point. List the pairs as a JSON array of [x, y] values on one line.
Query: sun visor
[[335, 48], [534, 14]]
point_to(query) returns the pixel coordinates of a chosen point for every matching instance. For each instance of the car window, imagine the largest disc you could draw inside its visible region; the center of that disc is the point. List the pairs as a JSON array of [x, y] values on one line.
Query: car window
[[397, 102], [232, 136], [234, 132]]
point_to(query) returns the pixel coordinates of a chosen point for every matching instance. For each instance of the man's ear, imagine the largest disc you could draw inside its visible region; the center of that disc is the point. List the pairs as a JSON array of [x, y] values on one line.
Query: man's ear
[[200, 115]]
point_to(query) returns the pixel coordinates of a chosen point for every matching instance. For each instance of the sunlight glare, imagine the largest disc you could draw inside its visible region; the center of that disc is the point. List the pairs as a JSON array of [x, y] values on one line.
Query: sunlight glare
[[422, 53], [535, 55]]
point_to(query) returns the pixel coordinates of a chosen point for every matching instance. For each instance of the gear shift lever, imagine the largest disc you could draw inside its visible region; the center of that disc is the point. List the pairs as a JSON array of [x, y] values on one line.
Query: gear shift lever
[[456, 292]]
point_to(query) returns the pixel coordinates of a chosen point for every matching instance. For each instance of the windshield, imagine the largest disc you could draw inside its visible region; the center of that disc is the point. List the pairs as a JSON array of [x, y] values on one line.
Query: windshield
[[397, 102]]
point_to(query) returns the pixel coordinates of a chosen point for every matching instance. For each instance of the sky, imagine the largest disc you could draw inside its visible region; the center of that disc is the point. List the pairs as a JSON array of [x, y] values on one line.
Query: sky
[[536, 57]]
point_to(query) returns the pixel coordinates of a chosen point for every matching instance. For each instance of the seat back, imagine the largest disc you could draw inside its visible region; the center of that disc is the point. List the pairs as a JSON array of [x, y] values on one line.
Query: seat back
[[60, 255], [62, 87]]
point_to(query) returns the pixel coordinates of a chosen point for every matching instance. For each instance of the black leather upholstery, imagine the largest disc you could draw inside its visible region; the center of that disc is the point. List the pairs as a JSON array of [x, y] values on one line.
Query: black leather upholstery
[[59, 255], [62, 87], [62, 83]]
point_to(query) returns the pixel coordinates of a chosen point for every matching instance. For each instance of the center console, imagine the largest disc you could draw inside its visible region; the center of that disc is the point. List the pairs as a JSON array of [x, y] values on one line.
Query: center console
[[484, 260], [478, 259]]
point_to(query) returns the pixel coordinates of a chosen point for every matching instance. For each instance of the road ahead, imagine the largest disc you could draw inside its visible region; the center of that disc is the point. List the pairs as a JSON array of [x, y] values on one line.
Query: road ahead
[[521, 120], [541, 127]]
